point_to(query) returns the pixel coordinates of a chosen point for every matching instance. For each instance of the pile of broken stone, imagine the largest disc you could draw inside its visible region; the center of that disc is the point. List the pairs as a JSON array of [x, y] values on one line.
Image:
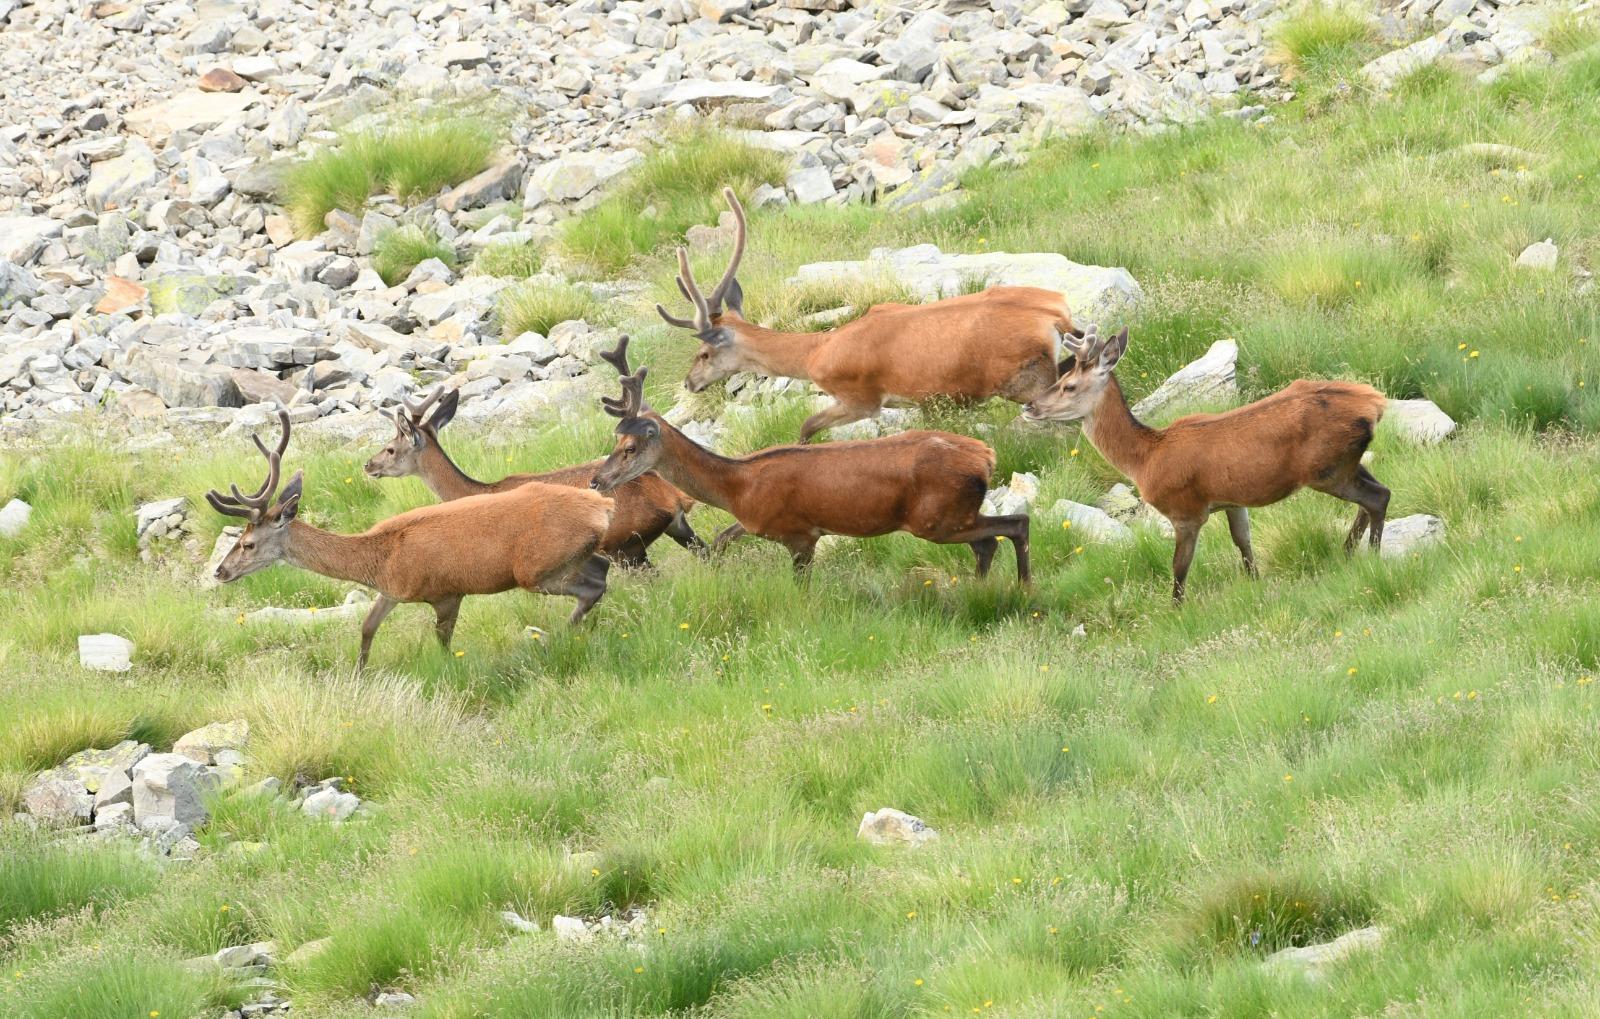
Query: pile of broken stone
[[161, 799]]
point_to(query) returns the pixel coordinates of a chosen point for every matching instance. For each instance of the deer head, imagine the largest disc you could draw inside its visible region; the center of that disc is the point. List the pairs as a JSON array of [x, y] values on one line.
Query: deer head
[[1077, 392], [638, 435], [415, 429], [720, 351], [266, 533]]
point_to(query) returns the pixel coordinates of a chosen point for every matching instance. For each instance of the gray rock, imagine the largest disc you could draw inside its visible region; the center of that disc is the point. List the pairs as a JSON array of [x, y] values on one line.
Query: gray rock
[[571, 928], [22, 237], [181, 383], [93, 768], [1088, 523], [168, 790], [888, 826], [1312, 960], [105, 652], [811, 184], [57, 797], [1410, 534], [498, 182], [1419, 422], [120, 183], [14, 518], [150, 514], [514, 921], [1207, 379], [1539, 255], [207, 742], [17, 285], [330, 804]]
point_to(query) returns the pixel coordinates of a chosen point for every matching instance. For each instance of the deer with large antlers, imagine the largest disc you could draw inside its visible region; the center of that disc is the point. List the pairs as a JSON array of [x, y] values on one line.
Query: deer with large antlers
[[1001, 342], [930, 484], [537, 537], [1307, 435], [646, 507]]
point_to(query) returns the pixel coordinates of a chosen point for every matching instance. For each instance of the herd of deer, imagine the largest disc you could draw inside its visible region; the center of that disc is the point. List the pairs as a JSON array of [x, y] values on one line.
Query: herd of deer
[[557, 533]]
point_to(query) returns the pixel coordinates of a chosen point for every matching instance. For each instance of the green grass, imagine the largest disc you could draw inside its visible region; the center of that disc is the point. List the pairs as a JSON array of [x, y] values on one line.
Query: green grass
[[1571, 32], [538, 307], [1129, 820], [1319, 35], [400, 250], [508, 258], [411, 162], [682, 182]]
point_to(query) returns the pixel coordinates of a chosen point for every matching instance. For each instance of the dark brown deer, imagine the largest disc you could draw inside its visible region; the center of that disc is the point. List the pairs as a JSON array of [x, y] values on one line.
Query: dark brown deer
[[1308, 435], [537, 537], [930, 484], [1001, 342], [646, 508]]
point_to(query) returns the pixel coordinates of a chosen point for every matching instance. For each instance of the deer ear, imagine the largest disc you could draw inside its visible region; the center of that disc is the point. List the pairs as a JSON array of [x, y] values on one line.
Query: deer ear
[[734, 298], [445, 410], [1112, 352], [289, 498]]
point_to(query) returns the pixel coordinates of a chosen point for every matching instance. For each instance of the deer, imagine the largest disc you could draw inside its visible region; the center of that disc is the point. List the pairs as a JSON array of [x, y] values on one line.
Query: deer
[[1003, 341], [541, 538], [930, 484], [646, 508], [1310, 434]]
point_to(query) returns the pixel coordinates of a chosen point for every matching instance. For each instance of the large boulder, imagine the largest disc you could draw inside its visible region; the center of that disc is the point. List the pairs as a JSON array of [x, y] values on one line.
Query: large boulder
[[105, 652], [1093, 292], [1419, 422], [1410, 534], [57, 797], [168, 790], [180, 382], [1311, 960], [204, 743], [1206, 379], [94, 768], [888, 826], [1088, 523], [119, 183]]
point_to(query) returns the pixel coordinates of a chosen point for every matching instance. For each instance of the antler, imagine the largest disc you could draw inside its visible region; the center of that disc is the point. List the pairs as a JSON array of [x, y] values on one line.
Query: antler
[[418, 409], [632, 400], [617, 357], [252, 506], [720, 294], [707, 308], [1085, 348]]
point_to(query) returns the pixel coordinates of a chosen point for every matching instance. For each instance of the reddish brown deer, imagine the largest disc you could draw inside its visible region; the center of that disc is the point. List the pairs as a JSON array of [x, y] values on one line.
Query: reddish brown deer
[[1308, 435], [1001, 342], [536, 537], [646, 508], [930, 484]]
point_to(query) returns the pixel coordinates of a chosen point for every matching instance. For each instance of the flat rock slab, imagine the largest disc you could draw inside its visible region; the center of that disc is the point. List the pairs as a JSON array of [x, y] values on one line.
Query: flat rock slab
[[21, 237], [1092, 292], [190, 111], [105, 652], [1208, 378], [1312, 959]]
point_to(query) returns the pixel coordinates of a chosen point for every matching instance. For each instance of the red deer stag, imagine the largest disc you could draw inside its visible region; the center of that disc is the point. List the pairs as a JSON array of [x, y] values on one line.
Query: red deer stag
[[646, 508], [1308, 435], [930, 484], [536, 537], [1001, 342]]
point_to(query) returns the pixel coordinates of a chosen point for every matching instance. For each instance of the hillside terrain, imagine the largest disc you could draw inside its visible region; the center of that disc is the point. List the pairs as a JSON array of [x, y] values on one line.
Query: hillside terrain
[[1352, 787]]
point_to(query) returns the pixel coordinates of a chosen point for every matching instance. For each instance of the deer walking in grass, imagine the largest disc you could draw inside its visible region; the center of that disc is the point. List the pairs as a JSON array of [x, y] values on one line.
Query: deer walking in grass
[[1307, 435], [930, 484], [1001, 342], [646, 507], [537, 537]]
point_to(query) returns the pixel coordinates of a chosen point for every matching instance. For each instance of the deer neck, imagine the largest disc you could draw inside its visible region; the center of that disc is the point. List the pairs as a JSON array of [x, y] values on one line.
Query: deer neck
[[443, 478], [696, 471], [353, 557], [779, 353], [1119, 436]]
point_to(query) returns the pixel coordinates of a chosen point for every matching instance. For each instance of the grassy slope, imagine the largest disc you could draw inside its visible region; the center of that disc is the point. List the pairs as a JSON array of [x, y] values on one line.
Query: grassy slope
[[1128, 820]]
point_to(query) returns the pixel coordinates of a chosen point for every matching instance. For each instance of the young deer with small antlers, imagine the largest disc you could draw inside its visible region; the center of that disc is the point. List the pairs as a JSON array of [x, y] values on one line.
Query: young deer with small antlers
[[930, 484], [537, 537], [1001, 342], [1308, 435], [646, 507]]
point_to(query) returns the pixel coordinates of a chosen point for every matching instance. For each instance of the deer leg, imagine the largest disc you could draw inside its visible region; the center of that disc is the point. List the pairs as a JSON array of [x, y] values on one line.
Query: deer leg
[[680, 532], [1013, 527], [631, 554], [802, 547], [1239, 527], [587, 583], [984, 549], [444, 624], [728, 535], [835, 414], [1183, 554], [381, 607], [1372, 499]]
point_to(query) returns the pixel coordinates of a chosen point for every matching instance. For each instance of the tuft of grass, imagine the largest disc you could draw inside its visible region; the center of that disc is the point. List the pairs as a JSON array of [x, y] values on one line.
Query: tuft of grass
[[1319, 35], [682, 182], [404, 248], [537, 307], [518, 259], [411, 162], [41, 877], [1571, 32]]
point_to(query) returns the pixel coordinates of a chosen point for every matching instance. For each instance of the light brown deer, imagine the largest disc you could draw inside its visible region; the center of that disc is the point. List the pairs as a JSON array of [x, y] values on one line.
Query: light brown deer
[[1308, 435], [537, 537], [1001, 342], [930, 484], [646, 508]]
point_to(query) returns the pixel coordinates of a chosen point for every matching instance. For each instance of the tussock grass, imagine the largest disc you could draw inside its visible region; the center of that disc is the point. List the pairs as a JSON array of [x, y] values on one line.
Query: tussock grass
[[1571, 32], [508, 258], [1320, 34], [1129, 820], [41, 877], [682, 182], [404, 248], [537, 307], [412, 161]]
